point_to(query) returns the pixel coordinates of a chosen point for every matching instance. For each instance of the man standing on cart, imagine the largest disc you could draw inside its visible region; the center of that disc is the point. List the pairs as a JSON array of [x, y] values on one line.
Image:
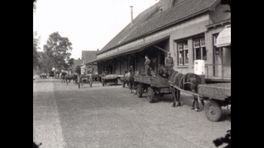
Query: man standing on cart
[[169, 63], [147, 66]]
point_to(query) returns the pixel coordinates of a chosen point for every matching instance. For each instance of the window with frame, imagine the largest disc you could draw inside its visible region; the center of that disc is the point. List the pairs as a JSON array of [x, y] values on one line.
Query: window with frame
[[199, 50], [182, 53]]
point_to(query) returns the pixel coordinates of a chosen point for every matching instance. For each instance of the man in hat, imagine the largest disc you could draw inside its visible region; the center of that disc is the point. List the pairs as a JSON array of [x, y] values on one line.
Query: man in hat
[[169, 63], [147, 66]]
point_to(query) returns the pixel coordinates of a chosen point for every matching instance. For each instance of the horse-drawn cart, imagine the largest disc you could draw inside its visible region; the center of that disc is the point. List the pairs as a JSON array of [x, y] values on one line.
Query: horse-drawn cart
[[153, 85], [87, 78], [216, 95]]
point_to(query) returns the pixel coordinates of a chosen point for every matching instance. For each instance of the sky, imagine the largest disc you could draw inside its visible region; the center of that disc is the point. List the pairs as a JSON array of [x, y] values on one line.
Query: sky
[[89, 24]]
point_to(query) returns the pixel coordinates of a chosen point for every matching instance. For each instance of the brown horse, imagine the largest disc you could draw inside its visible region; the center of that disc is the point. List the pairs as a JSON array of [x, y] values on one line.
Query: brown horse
[[176, 79], [189, 82]]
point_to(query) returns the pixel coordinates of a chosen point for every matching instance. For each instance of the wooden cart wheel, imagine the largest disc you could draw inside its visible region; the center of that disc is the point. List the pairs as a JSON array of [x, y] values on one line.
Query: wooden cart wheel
[[151, 94], [139, 90], [213, 111]]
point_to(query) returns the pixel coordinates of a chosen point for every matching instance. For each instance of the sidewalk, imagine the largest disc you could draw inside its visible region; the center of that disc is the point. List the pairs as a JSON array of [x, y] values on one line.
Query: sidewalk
[[46, 123]]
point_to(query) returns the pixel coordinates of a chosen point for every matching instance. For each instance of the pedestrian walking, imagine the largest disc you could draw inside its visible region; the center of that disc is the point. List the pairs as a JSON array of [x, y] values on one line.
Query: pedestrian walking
[[91, 80], [131, 78], [78, 72]]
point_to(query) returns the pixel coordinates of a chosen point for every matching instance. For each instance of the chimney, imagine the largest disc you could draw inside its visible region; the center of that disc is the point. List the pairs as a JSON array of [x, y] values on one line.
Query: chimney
[[131, 8]]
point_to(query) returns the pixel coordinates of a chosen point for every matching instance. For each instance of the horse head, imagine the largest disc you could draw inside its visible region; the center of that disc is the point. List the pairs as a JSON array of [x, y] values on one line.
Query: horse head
[[172, 75], [191, 81]]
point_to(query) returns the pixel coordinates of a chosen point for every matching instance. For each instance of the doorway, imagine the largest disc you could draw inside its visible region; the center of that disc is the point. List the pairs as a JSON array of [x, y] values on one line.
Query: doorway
[[221, 61]]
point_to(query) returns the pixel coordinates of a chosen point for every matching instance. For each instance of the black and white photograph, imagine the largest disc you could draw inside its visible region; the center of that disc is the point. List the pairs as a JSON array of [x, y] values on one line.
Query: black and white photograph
[[131, 73]]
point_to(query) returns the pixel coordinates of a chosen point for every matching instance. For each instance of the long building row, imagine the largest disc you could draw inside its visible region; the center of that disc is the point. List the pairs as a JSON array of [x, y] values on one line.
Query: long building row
[[188, 29]]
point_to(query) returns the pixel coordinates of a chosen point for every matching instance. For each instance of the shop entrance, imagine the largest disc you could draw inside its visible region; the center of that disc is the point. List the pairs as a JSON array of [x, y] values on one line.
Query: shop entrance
[[222, 61]]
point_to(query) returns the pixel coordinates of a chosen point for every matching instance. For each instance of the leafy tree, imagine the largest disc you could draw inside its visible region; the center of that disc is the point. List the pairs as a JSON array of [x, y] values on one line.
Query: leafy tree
[[71, 62], [58, 50], [78, 69], [45, 63]]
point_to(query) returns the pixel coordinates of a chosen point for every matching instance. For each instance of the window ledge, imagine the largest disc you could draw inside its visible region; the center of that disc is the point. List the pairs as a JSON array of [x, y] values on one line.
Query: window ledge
[[183, 66]]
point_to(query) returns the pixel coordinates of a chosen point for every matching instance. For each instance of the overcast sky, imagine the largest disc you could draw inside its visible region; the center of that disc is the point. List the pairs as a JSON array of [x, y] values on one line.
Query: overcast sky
[[89, 24]]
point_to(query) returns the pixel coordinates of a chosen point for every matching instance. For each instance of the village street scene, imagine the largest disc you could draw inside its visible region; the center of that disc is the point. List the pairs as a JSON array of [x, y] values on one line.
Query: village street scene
[[162, 80]]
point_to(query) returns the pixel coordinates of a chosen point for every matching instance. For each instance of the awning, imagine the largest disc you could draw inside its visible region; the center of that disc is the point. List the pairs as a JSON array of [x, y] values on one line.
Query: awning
[[224, 37], [130, 50]]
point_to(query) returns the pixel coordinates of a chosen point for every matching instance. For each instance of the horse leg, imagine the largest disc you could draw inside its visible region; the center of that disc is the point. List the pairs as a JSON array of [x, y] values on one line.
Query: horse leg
[[178, 94], [195, 104], [130, 86], [174, 97], [202, 102], [133, 86]]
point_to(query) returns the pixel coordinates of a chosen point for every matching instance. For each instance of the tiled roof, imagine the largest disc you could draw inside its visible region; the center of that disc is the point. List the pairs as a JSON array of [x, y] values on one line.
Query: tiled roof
[[152, 20], [88, 55], [91, 61]]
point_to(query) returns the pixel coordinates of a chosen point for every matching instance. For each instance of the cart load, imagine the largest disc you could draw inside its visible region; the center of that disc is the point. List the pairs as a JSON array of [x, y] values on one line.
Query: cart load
[[216, 96], [111, 78], [153, 85]]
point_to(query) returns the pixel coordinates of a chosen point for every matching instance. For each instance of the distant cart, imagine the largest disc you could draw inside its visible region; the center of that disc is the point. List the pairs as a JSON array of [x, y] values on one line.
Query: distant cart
[[112, 78], [153, 85], [214, 95], [88, 78]]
